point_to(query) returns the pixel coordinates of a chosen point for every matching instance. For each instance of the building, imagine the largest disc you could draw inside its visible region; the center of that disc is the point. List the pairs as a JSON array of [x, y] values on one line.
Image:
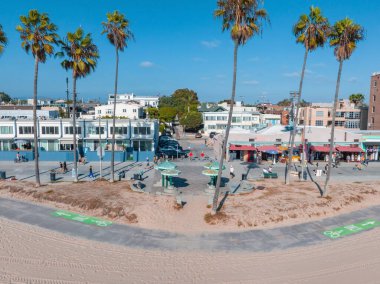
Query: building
[[26, 112], [348, 116], [270, 119], [374, 103], [217, 121], [130, 109], [135, 139], [144, 101]]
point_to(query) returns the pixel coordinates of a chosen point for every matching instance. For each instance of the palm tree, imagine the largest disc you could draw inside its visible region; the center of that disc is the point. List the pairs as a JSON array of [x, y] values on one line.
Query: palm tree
[[344, 36], [118, 33], [81, 57], [311, 31], [39, 36], [244, 19], [3, 39]]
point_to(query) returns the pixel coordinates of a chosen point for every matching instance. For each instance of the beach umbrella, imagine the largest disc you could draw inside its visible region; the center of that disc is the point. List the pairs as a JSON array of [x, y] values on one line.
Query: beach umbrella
[[212, 174], [169, 174], [165, 166], [213, 166]]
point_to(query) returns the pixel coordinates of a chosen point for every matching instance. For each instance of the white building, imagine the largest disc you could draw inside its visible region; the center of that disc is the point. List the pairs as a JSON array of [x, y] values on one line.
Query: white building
[[131, 110], [217, 121], [238, 107], [269, 119], [26, 112], [144, 101]]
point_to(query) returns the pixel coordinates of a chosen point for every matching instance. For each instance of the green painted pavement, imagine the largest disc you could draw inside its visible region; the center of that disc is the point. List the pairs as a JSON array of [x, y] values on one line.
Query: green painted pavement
[[81, 218], [352, 229]]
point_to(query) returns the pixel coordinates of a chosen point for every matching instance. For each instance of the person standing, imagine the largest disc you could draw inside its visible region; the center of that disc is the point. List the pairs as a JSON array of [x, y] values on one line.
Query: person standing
[[232, 172], [147, 161], [91, 173], [18, 158], [64, 167], [61, 167]]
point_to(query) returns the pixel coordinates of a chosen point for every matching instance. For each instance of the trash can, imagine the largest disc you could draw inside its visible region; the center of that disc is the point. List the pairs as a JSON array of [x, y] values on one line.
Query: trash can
[[3, 175], [243, 176], [52, 177]]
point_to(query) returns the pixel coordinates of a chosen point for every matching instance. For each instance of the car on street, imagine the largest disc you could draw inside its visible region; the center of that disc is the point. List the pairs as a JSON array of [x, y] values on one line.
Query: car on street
[[212, 134], [171, 152], [173, 143]]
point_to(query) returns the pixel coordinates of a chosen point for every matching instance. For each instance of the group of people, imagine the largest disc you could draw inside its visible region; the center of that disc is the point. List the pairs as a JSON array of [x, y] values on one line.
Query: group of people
[[63, 167]]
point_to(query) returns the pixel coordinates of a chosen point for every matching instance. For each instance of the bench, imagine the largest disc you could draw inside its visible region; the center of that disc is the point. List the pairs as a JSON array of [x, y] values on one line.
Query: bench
[[270, 175]]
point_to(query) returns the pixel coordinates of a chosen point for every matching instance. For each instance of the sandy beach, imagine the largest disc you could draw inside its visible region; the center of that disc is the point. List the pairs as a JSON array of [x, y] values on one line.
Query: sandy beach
[[30, 254]]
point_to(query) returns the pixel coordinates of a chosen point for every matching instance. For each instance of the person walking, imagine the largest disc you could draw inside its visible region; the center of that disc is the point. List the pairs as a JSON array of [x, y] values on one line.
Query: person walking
[[61, 167], [91, 173], [64, 167], [232, 170], [147, 161]]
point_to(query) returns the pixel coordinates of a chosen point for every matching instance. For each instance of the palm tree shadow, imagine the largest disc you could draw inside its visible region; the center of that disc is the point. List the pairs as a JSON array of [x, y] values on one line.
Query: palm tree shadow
[[222, 202], [315, 182]]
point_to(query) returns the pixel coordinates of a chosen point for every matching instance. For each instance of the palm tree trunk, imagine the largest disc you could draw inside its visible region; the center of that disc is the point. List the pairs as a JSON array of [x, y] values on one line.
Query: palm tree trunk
[[227, 133], [294, 131], [328, 174], [74, 112], [36, 155], [114, 118]]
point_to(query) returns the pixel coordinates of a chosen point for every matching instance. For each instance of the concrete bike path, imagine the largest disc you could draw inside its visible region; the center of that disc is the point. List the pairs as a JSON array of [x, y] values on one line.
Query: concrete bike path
[[255, 240]]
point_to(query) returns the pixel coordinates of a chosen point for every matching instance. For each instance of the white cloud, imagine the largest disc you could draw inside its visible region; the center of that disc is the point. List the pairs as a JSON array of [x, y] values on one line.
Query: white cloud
[[146, 64], [210, 43], [352, 80], [291, 74], [251, 82]]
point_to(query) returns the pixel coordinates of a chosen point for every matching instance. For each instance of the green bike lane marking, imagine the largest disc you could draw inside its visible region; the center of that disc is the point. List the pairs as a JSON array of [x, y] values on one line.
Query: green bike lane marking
[[81, 218], [352, 229]]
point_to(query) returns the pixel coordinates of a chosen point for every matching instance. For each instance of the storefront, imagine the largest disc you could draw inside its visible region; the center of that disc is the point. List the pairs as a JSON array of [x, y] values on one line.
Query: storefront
[[268, 153], [351, 153], [371, 145], [246, 153], [319, 153]]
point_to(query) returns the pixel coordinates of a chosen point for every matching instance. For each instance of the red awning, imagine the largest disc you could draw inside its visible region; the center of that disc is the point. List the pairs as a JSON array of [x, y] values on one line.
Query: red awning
[[349, 149], [321, 149], [242, 148], [267, 148]]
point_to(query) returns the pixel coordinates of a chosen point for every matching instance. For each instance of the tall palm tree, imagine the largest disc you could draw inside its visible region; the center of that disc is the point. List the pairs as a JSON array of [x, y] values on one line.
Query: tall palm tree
[[118, 34], [344, 36], [81, 57], [38, 35], [244, 19], [311, 31], [3, 39]]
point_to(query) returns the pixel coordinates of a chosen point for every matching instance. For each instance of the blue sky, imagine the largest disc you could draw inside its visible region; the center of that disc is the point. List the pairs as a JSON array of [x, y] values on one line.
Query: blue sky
[[179, 44]]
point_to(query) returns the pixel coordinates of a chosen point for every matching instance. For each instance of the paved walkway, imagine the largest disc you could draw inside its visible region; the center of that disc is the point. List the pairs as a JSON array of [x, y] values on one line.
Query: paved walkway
[[255, 241]]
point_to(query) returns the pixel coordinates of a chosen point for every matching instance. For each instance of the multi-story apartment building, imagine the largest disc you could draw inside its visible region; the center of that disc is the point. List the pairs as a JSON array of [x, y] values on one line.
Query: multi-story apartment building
[[144, 101], [348, 116], [217, 121], [374, 103], [26, 112], [135, 139], [130, 109]]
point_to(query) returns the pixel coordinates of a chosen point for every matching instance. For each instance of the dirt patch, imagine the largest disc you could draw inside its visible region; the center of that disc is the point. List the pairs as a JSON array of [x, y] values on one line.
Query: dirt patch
[[217, 218]]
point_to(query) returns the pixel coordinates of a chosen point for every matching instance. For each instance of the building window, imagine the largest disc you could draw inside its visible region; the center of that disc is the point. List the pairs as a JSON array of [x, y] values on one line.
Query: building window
[[124, 110], [236, 119], [319, 113], [25, 129], [109, 111], [120, 130], [70, 130], [141, 130], [374, 98], [99, 111], [372, 120], [319, 123], [212, 127], [6, 130], [92, 130], [351, 124], [375, 84], [134, 110], [373, 109], [339, 123], [50, 130]]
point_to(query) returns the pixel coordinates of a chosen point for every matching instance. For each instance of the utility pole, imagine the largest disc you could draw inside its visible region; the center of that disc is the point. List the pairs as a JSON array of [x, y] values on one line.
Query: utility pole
[[100, 150], [67, 98]]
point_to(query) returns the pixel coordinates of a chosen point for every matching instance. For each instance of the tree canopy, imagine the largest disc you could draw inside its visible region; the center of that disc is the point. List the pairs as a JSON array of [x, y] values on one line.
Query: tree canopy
[[192, 120], [5, 97], [357, 98]]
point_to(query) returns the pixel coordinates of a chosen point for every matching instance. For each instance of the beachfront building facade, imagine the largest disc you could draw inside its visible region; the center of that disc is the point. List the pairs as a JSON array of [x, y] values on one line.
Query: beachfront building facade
[[130, 109], [217, 121], [348, 116], [144, 101], [374, 103], [135, 139], [26, 112]]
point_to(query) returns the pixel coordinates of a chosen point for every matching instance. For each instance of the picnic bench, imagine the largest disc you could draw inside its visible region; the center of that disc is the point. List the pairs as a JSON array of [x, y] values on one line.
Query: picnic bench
[[270, 175]]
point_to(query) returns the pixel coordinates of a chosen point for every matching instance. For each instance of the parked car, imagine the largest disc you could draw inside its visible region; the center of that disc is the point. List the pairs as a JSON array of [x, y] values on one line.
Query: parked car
[[198, 135], [168, 143], [169, 152], [165, 138]]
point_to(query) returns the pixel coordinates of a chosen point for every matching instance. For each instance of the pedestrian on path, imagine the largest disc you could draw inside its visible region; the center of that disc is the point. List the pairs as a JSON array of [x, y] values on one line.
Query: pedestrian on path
[[232, 170], [64, 167], [61, 167], [90, 173], [147, 161]]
